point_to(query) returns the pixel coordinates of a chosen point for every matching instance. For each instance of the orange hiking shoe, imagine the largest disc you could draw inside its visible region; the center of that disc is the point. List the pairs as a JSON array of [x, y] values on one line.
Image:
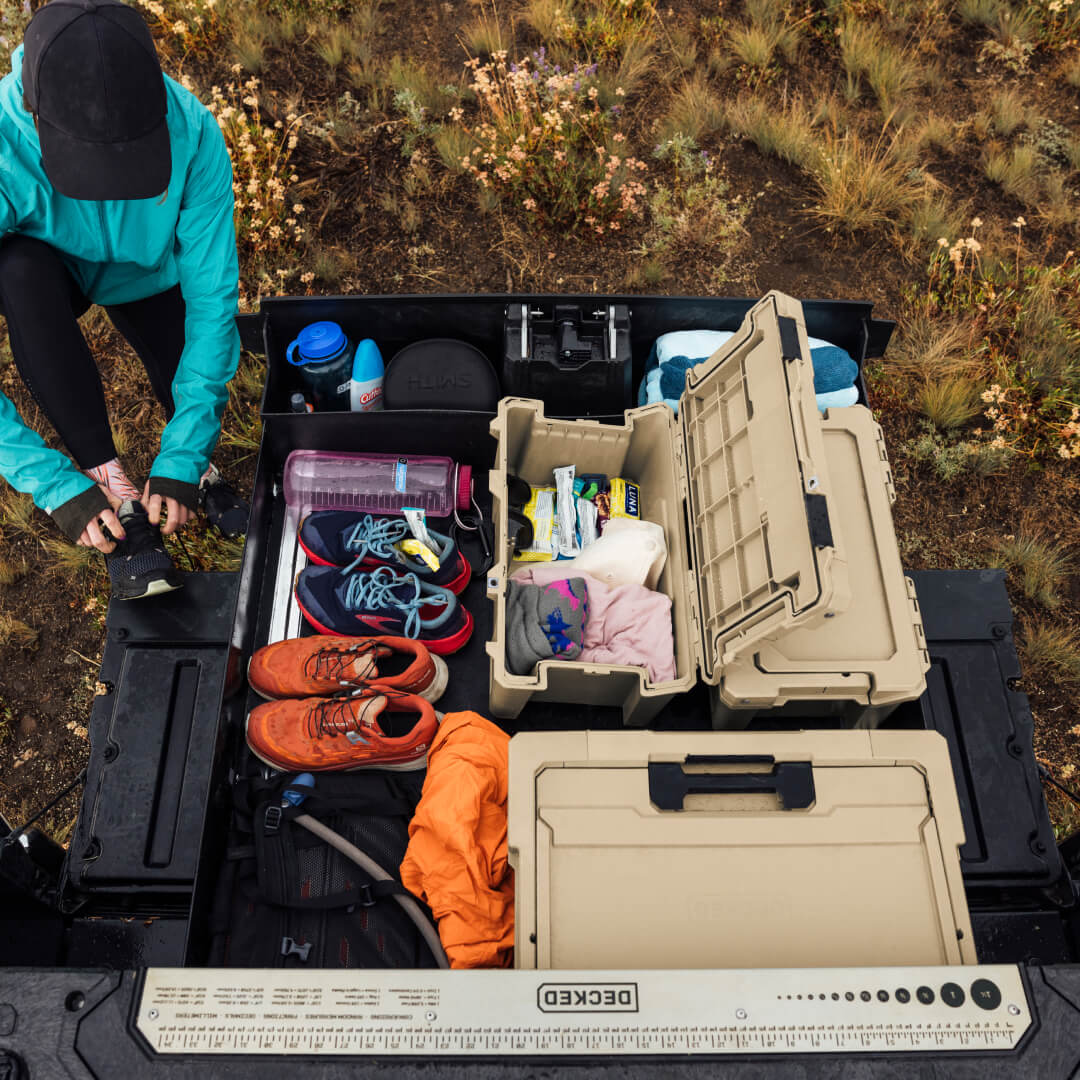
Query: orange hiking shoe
[[321, 734], [321, 666]]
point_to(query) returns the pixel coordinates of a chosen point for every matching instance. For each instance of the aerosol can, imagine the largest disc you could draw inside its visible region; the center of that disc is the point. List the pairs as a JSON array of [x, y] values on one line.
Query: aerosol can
[[366, 390]]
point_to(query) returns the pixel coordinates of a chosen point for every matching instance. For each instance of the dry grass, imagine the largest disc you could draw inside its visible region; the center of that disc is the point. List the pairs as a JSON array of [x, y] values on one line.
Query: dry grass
[[1043, 565], [980, 12], [695, 111], [249, 48], [334, 43], [933, 216], [1015, 170], [757, 44], [452, 144], [78, 566], [637, 61], [1052, 650], [1008, 112], [862, 186], [786, 134], [936, 132], [1056, 207], [425, 84], [547, 18], [329, 264], [18, 514], [14, 633], [892, 74], [933, 348], [949, 403], [12, 570], [683, 49], [486, 35]]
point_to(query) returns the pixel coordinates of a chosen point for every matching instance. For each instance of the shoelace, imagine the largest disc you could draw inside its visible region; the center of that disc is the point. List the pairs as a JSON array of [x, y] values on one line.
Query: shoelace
[[376, 590], [331, 663], [331, 717], [369, 536], [139, 535]]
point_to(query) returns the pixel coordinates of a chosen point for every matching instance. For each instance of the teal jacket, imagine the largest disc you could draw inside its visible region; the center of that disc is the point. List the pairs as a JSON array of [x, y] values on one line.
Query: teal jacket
[[120, 251]]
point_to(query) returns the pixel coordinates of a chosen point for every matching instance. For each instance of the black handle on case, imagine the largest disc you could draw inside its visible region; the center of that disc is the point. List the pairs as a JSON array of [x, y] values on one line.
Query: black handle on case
[[793, 781]]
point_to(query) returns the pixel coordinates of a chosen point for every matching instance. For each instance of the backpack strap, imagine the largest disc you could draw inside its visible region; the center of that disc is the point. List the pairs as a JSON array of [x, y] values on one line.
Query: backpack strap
[[362, 896]]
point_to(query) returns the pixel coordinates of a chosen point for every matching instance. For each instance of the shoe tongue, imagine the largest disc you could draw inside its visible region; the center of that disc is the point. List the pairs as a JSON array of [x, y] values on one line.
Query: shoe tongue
[[129, 507], [368, 710], [362, 665]]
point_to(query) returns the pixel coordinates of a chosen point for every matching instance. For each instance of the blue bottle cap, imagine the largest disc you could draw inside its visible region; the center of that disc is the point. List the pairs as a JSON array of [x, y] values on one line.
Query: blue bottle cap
[[320, 340]]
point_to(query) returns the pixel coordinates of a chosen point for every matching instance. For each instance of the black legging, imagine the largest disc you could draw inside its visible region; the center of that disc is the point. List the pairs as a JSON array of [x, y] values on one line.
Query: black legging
[[42, 303]]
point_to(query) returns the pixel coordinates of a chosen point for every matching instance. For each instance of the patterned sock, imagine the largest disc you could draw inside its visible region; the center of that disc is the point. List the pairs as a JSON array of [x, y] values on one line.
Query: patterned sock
[[111, 475]]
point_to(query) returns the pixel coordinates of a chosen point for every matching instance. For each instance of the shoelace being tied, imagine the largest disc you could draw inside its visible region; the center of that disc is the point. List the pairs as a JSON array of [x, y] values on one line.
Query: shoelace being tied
[[376, 590], [331, 663], [139, 535], [378, 538]]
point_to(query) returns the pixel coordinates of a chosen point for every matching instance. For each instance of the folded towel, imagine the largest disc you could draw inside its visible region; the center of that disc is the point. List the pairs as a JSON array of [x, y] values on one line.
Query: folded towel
[[838, 399], [674, 353], [833, 367]]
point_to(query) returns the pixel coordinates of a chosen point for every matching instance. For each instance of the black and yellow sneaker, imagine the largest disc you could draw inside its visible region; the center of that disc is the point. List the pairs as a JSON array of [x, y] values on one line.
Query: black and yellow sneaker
[[139, 565]]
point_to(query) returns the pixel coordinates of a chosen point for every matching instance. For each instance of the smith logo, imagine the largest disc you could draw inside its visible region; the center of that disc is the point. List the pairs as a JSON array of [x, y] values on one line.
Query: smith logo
[[431, 383], [587, 997]]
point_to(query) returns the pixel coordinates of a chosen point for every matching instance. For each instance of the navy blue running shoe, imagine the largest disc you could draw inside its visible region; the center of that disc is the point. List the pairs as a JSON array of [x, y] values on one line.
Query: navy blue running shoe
[[382, 602], [139, 566], [351, 540]]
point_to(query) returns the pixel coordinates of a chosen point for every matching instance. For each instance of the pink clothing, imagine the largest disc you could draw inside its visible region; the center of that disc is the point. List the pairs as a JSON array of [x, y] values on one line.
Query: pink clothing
[[627, 624]]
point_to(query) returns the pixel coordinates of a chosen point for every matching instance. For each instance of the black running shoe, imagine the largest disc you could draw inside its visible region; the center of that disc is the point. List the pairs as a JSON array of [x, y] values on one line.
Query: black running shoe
[[224, 509], [139, 565]]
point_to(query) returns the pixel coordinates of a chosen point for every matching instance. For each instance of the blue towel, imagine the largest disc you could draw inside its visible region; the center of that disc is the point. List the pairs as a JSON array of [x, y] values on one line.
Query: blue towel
[[833, 367], [838, 399], [674, 353]]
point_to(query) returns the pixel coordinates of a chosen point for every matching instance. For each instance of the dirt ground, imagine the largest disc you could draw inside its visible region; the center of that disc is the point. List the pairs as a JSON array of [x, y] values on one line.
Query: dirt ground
[[47, 686]]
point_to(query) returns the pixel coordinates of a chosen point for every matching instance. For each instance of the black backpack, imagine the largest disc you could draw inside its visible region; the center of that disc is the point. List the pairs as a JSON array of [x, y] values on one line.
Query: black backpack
[[286, 898]]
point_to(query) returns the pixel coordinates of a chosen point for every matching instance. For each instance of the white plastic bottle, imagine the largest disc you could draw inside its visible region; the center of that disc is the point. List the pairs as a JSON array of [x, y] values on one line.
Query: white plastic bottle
[[366, 390]]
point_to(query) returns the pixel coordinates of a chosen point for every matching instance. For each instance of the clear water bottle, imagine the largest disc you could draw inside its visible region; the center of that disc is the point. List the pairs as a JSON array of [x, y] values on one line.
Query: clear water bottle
[[376, 483]]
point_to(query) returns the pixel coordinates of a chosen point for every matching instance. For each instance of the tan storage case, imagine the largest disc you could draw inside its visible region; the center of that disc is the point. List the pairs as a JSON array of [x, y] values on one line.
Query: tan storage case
[[736, 850], [746, 467], [863, 661]]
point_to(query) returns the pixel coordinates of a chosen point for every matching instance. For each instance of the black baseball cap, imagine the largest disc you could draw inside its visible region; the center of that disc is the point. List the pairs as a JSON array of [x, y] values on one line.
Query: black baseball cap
[[92, 78]]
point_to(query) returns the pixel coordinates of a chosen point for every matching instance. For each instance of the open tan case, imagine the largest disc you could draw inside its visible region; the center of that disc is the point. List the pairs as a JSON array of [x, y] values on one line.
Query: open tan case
[[736, 850], [783, 569]]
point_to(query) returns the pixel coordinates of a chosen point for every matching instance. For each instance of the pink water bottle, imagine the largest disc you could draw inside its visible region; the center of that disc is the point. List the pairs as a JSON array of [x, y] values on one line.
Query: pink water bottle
[[376, 483]]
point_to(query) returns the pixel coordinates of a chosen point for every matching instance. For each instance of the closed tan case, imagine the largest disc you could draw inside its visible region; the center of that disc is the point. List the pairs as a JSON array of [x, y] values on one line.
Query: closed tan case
[[736, 849]]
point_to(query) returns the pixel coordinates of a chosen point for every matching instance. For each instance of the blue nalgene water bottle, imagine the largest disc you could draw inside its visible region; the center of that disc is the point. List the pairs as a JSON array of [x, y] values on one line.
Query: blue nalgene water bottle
[[323, 356]]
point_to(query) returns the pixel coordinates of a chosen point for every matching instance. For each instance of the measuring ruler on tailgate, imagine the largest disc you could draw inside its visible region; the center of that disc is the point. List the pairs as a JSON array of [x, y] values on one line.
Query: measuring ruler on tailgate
[[559, 1013]]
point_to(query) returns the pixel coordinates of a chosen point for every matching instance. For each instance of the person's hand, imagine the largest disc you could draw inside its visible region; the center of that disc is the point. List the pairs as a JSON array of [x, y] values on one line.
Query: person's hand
[[175, 512], [93, 536]]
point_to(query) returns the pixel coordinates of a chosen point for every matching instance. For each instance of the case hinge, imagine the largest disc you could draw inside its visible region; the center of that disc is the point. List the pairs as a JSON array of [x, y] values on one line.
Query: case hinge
[[916, 621], [886, 468]]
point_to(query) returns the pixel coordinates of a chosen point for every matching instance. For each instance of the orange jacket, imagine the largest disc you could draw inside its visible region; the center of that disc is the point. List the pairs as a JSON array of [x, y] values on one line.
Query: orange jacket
[[456, 860]]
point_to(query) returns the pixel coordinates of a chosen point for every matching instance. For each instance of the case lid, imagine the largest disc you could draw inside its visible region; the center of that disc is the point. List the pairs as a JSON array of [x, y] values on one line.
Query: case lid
[[672, 850], [766, 554], [875, 651]]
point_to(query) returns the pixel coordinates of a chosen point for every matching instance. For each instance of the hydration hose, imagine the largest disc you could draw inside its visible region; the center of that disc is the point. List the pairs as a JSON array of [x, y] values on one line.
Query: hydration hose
[[370, 866]]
